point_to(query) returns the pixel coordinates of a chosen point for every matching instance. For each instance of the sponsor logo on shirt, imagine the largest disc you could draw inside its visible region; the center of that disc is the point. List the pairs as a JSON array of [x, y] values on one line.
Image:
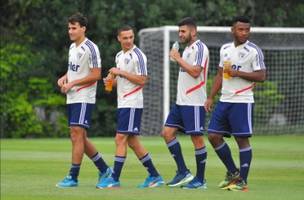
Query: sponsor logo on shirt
[[73, 67]]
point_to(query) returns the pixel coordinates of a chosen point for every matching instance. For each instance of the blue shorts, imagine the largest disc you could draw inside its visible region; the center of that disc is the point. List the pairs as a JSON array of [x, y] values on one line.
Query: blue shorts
[[232, 118], [129, 120], [79, 114], [189, 119]]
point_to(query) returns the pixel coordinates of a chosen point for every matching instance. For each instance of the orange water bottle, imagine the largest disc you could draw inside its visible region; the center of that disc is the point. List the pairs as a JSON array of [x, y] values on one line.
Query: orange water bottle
[[109, 82], [227, 65]]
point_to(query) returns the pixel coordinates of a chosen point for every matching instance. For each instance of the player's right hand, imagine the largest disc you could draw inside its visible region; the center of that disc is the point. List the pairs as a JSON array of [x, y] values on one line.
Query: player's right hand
[[208, 105], [62, 81], [174, 54], [107, 79]]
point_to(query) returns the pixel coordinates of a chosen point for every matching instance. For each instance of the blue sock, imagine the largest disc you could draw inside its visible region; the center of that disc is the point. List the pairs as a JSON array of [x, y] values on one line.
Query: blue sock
[[74, 171], [99, 162], [224, 153], [176, 151], [147, 162], [201, 157], [245, 160], [118, 164]]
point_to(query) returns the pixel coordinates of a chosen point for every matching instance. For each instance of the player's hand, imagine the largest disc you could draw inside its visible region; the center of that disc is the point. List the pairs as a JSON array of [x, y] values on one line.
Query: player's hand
[[233, 73], [230, 71], [106, 80], [63, 80], [66, 87], [115, 71], [208, 105], [174, 54]]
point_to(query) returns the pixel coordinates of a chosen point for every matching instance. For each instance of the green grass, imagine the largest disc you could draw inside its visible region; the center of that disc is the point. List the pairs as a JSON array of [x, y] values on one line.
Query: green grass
[[31, 168]]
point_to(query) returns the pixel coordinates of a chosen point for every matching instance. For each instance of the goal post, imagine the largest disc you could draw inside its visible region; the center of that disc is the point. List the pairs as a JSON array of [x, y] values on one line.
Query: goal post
[[275, 110]]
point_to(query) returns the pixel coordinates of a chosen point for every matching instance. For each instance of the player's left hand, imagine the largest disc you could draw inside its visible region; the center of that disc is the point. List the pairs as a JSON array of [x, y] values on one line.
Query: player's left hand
[[116, 71], [66, 87], [174, 54], [231, 72], [208, 104]]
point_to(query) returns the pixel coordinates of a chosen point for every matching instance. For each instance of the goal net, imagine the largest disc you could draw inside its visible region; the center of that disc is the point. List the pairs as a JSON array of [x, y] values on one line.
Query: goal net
[[279, 101]]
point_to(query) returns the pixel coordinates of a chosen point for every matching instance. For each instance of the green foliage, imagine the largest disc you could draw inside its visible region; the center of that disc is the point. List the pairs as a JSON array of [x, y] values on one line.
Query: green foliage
[[21, 95], [103, 119], [21, 120], [40, 96], [268, 98]]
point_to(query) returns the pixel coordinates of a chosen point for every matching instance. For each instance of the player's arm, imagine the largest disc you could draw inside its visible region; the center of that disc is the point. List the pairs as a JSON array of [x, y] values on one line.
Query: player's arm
[[134, 78], [216, 86], [192, 70], [259, 70], [256, 76], [95, 75]]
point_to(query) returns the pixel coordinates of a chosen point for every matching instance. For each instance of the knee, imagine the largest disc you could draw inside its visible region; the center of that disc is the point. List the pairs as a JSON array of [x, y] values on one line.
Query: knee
[[163, 133], [242, 142], [76, 134], [131, 145], [214, 138], [166, 135], [120, 139], [198, 141]]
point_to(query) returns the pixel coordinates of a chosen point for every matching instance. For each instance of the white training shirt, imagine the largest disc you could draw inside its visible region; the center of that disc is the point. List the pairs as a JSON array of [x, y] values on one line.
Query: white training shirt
[[192, 91], [130, 95], [246, 57], [82, 59]]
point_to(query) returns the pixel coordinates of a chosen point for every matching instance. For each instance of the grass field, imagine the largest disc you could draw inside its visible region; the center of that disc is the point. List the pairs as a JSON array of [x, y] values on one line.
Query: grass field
[[31, 168]]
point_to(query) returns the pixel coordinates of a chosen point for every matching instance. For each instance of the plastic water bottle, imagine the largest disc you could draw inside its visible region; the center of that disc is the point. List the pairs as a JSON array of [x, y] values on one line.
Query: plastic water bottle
[[175, 46]]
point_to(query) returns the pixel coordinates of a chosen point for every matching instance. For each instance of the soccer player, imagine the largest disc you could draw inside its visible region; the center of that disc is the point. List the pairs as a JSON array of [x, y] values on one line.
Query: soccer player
[[79, 84], [131, 76], [188, 113], [241, 65]]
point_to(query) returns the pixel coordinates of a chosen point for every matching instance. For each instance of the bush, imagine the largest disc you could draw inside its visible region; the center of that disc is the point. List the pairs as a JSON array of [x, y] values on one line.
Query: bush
[[21, 94]]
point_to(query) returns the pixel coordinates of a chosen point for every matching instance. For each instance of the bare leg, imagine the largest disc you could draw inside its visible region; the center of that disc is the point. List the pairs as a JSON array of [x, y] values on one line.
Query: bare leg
[[78, 139]]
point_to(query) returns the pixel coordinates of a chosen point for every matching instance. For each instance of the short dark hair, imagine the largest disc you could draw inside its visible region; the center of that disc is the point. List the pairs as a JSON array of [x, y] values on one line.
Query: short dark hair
[[189, 21], [124, 28], [240, 18], [78, 17]]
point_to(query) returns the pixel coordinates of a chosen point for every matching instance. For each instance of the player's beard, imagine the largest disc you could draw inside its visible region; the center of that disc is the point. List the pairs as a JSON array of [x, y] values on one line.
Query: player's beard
[[186, 39]]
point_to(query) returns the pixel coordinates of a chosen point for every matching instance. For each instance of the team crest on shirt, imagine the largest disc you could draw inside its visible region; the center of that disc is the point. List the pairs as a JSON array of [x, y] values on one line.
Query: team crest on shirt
[[188, 55], [79, 55], [127, 60], [241, 55]]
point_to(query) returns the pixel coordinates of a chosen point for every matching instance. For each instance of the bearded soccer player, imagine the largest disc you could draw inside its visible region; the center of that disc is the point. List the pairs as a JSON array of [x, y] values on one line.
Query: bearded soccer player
[[79, 84], [188, 114], [241, 66]]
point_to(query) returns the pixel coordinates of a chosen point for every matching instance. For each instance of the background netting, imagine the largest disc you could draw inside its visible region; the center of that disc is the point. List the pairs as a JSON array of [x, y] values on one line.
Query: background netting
[[279, 102]]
